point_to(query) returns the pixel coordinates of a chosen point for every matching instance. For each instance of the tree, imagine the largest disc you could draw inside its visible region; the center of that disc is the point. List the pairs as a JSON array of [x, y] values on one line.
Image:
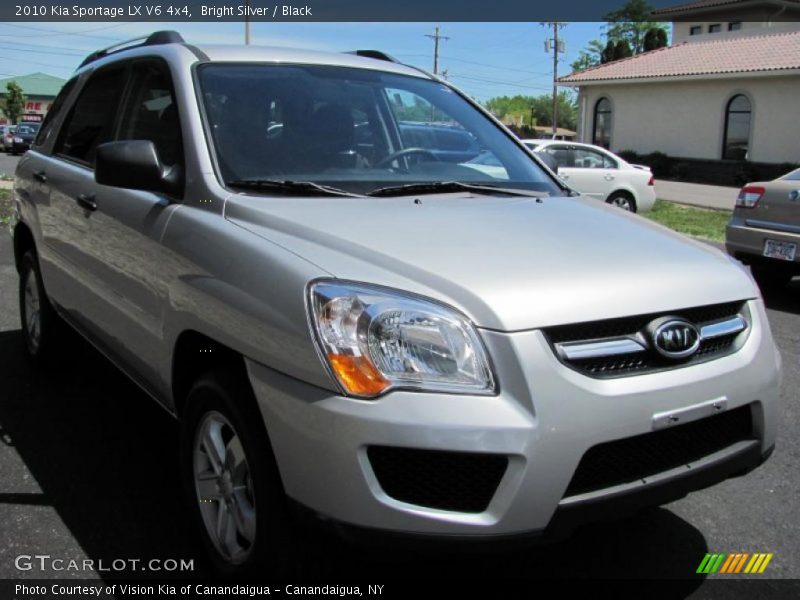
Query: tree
[[14, 103], [655, 38], [622, 50], [608, 52], [591, 56], [632, 23], [538, 108]]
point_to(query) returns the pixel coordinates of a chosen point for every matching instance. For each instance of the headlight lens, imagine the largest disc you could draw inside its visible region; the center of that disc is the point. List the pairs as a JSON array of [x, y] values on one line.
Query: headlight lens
[[375, 339]]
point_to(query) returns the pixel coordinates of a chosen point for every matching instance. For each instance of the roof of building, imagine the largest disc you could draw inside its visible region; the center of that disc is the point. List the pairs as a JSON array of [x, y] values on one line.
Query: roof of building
[[702, 5], [35, 84], [756, 53]]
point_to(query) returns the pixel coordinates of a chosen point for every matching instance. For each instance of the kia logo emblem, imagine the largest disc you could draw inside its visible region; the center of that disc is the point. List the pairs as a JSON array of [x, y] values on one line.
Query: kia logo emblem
[[673, 337]]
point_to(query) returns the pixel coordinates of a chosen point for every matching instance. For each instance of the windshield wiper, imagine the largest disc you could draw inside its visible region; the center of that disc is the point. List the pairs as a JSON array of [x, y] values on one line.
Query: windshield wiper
[[305, 188], [441, 187]]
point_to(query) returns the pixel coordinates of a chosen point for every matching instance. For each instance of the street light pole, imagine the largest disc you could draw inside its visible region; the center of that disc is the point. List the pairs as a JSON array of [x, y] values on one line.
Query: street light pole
[[247, 23]]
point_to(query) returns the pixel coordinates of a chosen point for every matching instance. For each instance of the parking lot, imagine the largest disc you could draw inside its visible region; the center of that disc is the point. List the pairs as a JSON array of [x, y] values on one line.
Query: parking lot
[[88, 469]]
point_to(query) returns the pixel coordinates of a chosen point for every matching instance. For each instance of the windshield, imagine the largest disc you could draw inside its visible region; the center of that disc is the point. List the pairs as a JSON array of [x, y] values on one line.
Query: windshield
[[354, 129], [792, 175]]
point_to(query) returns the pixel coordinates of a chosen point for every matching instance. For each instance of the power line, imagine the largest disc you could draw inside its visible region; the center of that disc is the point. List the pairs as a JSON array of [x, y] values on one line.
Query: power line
[[41, 64], [58, 32], [28, 50], [480, 64], [496, 82]]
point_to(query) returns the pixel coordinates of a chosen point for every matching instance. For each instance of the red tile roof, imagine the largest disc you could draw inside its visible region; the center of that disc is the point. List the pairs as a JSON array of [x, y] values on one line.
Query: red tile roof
[[702, 4], [773, 52]]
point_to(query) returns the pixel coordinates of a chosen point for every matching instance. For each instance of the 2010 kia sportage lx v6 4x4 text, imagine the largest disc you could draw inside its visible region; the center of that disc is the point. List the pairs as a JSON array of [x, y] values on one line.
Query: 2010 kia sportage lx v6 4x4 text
[[371, 329]]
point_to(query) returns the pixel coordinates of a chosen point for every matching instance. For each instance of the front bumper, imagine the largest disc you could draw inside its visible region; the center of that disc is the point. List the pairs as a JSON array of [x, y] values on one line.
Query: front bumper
[[544, 419]]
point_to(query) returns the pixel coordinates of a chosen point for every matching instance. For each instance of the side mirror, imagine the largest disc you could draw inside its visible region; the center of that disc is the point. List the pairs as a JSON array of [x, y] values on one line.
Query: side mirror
[[135, 164]]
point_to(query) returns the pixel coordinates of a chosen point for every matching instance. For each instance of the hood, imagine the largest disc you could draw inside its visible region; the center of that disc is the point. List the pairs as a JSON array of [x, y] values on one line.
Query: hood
[[508, 263]]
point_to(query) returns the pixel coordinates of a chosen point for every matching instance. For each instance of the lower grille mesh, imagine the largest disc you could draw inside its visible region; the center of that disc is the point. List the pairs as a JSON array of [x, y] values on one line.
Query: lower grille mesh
[[455, 481], [631, 459]]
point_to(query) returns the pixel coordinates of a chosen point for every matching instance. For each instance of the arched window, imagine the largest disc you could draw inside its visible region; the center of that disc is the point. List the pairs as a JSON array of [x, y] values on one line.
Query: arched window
[[601, 135], [736, 140]]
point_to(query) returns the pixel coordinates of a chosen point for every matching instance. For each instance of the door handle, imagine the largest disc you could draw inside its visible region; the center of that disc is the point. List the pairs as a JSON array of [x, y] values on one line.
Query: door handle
[[794, 195], [87, 201], [609, 178], [40, 176]]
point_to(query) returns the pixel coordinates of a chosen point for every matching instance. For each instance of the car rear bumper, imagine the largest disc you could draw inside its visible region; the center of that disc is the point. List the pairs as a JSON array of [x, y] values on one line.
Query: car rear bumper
[[747, 244], [542, 423]]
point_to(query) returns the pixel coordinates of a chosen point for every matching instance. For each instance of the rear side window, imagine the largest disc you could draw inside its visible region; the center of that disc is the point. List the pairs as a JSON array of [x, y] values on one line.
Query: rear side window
[[55, 109], [92, 118], [152, 113]]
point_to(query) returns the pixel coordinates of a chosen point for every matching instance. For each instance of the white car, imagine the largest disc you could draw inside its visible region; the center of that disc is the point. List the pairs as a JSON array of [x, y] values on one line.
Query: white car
[[598, 173]]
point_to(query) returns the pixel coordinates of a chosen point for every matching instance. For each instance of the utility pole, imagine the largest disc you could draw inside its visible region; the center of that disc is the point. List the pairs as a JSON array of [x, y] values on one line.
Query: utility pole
[[557, 46], [247, 24], [436, 37]]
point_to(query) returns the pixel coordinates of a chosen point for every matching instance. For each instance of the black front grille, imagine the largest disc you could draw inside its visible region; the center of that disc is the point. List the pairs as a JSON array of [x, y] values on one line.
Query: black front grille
[[644, 362], [631, 459], [455, 481]]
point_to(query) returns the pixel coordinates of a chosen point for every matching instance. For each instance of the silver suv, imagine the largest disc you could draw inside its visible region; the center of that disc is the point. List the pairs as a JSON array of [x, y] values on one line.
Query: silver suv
[[368, 328]]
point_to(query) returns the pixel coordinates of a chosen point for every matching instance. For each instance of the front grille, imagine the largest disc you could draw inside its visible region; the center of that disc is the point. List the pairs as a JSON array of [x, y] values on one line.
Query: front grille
[[454, 481], [643, 362], [632, 459]]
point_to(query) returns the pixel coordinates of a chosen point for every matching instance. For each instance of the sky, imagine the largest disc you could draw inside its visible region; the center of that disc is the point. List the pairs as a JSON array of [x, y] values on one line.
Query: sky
[[483, 59]]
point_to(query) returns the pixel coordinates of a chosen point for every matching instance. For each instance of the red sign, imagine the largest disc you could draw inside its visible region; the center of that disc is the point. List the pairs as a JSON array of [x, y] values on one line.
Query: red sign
[[31, 118]]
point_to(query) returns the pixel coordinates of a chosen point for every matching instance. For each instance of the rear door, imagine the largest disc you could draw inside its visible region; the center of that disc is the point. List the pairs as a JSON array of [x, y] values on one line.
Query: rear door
[[584, 169], [64, 178]]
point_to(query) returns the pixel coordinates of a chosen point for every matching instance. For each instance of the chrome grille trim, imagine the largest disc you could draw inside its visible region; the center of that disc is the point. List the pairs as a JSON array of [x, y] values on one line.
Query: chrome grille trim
[[604, 347], [615, 346], [722, 328]]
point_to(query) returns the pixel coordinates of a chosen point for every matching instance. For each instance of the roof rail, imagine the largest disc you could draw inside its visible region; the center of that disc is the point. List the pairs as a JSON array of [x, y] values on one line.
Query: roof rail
[[154, 39], [376, 54]]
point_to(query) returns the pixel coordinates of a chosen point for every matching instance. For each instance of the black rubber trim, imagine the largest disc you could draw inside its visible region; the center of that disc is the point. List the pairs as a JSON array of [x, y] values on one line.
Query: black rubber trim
[[201, 56], [565, 520]]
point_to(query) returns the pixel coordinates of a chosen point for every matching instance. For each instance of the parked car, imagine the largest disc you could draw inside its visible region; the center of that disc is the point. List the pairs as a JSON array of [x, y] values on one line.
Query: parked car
[[764, 230], [23, 137], [601, 174], [532, 144], [7, 139], [391, 342], [446, 143]]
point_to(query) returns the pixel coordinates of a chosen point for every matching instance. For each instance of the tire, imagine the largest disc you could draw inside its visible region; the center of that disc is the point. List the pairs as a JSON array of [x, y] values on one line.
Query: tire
[[623, 200], [231, 481], [771, 278], [42, 327]]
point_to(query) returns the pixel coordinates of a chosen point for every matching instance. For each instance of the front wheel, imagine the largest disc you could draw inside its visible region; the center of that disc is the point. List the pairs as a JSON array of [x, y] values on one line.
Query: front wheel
[[622, 200], [42, 327], [231, 480]]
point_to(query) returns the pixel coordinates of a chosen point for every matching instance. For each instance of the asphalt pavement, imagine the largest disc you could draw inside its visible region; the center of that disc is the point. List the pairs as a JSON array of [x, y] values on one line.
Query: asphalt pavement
[[88, 470], [706, 196]]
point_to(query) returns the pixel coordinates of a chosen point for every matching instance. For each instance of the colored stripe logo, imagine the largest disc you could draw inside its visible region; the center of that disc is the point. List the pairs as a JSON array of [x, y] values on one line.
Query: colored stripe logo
[[738, 562]]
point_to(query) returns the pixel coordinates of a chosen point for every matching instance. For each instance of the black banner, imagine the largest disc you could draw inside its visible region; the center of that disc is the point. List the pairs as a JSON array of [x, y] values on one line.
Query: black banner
[[313, 10]]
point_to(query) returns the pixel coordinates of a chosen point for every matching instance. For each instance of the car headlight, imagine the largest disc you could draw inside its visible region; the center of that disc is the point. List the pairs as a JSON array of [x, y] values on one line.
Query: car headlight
[[17, 140], [375, 339]]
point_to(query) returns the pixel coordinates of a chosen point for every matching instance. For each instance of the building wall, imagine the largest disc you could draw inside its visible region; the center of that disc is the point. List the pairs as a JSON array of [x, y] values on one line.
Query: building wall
[[681, 31], [36, 108], [686, 119]]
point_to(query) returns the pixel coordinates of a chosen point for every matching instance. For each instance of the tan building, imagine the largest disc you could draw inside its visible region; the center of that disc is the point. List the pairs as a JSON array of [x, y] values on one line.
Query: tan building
[[715, 95]]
